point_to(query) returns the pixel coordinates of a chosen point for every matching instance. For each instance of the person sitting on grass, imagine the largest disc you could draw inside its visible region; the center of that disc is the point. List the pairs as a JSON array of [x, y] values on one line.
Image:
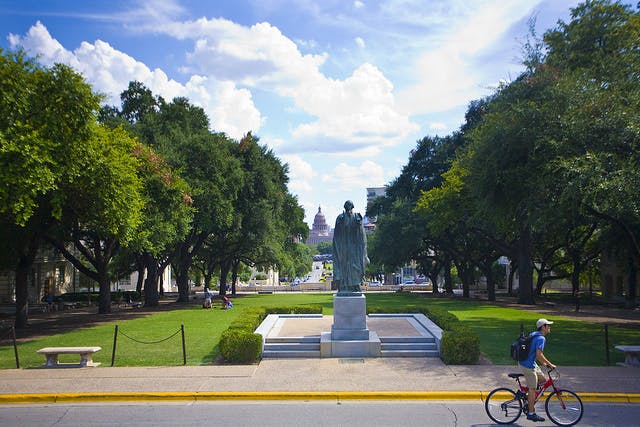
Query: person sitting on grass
[[227, 303]]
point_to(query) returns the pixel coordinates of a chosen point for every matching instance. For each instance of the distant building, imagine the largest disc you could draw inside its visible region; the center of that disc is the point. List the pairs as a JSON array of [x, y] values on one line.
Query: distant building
[[321, 231], [52, 273], [372, 194]]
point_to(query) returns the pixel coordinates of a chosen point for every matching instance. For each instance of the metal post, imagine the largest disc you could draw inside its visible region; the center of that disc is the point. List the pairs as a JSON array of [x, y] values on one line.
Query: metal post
[[115, 340], [606, 343], [15, 346], [184, 348]]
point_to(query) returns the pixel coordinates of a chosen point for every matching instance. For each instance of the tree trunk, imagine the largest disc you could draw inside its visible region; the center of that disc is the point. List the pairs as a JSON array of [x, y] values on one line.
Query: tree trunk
[[225, 266], [22, 293], [104, 301], [151, 282], [630, 299], [234, 276], [512, 272], [525, 268], [575, 282], [433, 278], [491, 283], [182, 281], [448, 281], [23, 268], [140, 281], [466, 275]]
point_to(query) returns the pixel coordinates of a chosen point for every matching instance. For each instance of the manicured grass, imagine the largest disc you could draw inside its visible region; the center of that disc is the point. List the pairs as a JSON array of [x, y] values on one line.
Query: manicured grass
[[571, 342]]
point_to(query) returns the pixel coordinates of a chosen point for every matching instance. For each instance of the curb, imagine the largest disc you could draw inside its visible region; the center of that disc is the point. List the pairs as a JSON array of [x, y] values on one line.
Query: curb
[[41, 398]]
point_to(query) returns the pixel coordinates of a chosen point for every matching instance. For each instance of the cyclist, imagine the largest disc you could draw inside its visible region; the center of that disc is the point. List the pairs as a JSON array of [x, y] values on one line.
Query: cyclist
[[532, 372]]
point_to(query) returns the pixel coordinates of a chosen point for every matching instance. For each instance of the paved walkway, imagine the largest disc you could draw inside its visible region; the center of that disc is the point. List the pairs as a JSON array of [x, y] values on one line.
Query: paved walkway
[[346, 378]]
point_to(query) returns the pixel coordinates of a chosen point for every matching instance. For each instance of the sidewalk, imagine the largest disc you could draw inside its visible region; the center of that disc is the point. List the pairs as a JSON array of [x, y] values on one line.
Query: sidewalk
[[331, 378], [381, 378]]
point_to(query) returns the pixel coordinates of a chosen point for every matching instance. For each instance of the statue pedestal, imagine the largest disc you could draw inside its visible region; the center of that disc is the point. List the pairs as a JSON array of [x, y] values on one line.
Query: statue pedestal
[[349, 336], [349, 317]]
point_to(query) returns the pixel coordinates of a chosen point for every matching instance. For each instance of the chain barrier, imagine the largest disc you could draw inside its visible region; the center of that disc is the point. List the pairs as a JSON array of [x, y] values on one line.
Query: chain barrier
[[151, 342], [117, 332]]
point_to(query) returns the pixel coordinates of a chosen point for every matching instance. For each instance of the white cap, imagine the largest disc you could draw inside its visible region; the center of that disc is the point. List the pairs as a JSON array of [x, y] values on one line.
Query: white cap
[[541, 322]]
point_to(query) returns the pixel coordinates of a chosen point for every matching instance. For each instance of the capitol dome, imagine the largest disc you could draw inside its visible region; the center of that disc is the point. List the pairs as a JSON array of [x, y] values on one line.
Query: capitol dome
[[320, 232], [320, 222]]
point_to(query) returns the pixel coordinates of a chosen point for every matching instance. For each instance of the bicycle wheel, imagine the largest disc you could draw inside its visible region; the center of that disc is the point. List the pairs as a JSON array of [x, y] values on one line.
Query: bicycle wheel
[[503, 406], [564, 407]]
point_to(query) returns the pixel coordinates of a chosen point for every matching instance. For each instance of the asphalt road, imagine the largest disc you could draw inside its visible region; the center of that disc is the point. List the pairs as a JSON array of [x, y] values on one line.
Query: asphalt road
[[290, 413]]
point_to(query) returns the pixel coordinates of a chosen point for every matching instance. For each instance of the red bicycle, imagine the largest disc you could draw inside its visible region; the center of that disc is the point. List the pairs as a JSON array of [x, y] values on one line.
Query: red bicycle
[[563, 407]]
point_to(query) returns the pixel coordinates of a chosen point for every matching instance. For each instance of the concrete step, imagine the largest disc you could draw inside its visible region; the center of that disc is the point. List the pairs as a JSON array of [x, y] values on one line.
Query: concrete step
[[280, 340], [409, 353], [409, 346], [420, 339], [284, 354], [292, 346]]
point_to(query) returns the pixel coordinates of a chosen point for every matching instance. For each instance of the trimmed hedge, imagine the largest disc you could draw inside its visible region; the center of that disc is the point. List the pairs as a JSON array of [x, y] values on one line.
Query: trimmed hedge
[[460, 346], [295, 309], [238, 344]]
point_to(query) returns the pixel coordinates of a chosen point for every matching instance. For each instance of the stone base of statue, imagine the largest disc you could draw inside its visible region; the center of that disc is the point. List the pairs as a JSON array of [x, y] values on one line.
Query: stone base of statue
[[349, 336]]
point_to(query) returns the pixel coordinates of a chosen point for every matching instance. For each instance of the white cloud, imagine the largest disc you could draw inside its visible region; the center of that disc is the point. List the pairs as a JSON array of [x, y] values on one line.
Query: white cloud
[[360, 42], [450, 72], [109, 71], [256, 55], [349, 177], [359, 110], [358, 4], [301, 174], [437, 126]]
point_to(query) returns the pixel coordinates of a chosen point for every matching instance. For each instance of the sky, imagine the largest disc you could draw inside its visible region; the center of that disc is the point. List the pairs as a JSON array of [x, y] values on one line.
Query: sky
[[339, 90]]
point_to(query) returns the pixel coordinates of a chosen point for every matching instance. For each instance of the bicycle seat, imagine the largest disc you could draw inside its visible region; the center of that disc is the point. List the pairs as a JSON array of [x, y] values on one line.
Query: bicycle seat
[[513, 375]]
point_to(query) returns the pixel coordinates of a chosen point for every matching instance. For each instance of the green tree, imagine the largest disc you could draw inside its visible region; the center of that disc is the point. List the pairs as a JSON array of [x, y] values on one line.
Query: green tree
[[179, 132], [325, 248], [167, 218], [46, 114], [401, 235], [269, 219], [595, 56], [103, 209]]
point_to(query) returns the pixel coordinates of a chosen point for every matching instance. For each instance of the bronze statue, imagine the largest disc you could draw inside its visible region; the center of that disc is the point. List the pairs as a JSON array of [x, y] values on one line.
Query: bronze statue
[[349, 250]]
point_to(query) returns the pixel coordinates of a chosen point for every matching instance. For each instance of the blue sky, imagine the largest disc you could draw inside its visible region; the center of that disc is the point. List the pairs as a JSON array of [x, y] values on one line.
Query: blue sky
[[340, 90]]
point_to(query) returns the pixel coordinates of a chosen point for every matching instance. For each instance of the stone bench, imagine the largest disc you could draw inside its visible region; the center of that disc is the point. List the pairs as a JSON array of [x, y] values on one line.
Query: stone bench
[[630, 354], [52, 353]]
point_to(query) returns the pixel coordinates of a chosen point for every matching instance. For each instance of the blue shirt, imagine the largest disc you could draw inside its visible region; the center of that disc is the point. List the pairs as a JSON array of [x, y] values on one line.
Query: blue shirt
[[537, 342]]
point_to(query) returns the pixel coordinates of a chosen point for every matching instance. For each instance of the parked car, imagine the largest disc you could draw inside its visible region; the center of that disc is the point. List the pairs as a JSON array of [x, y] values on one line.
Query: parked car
[[409, 282], [375, 284]]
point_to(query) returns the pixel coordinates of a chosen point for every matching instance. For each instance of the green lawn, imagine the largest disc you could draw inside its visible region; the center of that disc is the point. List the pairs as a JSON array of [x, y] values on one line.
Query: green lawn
[[571, 342]]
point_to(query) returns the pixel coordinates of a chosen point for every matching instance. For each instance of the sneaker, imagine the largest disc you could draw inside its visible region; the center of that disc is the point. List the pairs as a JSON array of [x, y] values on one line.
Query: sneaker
[[534, 417]]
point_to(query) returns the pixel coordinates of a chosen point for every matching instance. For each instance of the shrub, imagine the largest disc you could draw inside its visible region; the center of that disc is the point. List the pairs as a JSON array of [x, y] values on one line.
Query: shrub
[[240, 346], [460, 346], [295, 309], [250, 319], [441, 317]]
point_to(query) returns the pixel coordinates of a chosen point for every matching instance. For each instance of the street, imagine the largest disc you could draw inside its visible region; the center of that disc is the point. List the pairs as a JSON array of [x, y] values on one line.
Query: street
[[290, 413]]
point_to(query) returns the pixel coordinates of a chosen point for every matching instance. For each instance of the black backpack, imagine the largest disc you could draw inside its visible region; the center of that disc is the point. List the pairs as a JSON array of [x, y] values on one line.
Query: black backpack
[[520, 348]]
